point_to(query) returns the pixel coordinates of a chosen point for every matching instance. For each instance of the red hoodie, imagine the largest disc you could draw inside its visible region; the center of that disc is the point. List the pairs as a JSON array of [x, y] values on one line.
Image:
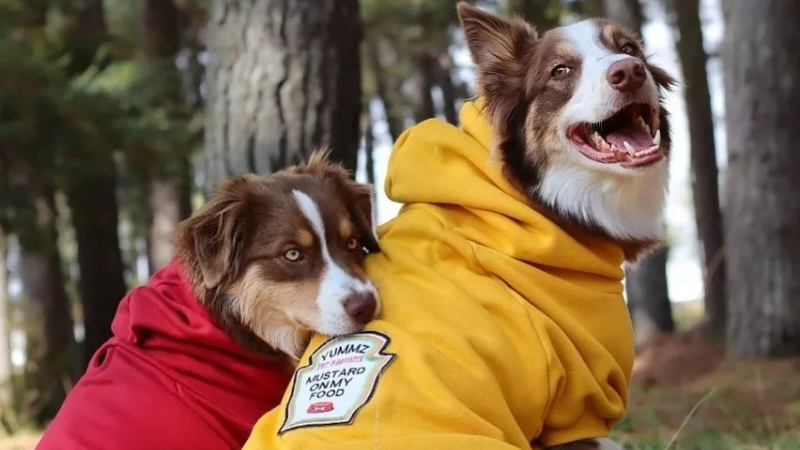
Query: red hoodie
[[168, 379]]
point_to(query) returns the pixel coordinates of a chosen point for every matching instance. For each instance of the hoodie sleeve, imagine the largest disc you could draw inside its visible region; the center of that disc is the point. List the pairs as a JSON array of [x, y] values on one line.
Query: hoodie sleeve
[[581, 407]]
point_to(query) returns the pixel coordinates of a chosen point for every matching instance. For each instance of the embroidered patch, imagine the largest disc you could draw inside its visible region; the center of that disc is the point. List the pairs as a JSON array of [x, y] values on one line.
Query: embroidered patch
[[338, 381]]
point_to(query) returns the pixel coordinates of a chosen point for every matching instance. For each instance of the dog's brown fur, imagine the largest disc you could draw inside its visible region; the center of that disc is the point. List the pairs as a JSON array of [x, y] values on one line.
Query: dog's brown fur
[[231, 248], [523, 101]]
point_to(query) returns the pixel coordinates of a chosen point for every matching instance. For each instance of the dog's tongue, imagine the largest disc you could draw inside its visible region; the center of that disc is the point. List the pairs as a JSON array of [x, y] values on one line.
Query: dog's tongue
[[638, 138]]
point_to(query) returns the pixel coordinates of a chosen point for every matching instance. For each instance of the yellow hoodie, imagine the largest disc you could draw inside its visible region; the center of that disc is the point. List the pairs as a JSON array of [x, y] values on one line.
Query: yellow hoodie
[[499, 330]]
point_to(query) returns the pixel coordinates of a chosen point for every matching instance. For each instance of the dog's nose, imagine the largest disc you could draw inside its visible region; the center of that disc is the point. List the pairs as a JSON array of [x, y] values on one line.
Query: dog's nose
[[361, 307], [627, 75]]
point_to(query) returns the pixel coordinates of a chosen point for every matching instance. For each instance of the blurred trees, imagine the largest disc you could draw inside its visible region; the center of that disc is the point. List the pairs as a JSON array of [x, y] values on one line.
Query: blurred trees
[[90, 183], [284, 78], [705, 186], [762, 215]]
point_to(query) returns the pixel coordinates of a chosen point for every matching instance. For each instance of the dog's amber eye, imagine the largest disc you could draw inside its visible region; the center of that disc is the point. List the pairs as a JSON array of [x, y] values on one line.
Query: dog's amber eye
[[352, 244], [293, 255], [560, 70], [628, 48]]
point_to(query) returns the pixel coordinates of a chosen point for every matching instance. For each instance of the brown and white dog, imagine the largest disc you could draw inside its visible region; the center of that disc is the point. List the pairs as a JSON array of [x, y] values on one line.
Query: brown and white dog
[[208, 345], [277, 258], [581, 126], [580, 121]]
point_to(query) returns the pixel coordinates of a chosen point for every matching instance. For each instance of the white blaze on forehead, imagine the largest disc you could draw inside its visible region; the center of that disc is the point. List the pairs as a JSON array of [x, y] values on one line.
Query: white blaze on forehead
[[594, 99], [336, 284]]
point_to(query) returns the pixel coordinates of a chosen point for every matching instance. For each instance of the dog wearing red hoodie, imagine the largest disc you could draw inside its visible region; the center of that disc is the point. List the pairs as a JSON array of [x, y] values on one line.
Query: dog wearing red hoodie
[[209, 344]]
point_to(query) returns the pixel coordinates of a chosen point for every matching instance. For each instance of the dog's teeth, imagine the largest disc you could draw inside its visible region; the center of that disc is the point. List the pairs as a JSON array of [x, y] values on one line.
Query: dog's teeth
[[597, 139], [640, 123], [657, 139], [631, 151], [647, 127]]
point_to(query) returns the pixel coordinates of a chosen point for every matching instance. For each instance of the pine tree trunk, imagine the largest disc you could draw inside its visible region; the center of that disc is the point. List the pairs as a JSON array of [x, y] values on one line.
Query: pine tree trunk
[[5, 348], [627, 13], [394, 120], [646, 285], [284, 78], [648, 297], [43, 285], [424, 74], [90, 188], [445, 82], [171, 190], [705, 186], [762, 226]]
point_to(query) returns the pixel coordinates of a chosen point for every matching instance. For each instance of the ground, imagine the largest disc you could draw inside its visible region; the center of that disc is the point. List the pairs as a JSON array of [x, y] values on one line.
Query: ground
[[684, 390]]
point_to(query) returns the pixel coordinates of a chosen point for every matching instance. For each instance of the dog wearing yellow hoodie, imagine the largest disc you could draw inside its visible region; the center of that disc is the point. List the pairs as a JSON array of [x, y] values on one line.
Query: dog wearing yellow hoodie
[[503, 323]]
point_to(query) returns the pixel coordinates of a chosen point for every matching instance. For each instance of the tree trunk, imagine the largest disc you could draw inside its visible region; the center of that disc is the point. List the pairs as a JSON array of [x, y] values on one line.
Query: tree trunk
[[171, 191], [648, 297], [424, 75], [284, 79], [90, 188], [394, 119], [43, 284], [5, 348], [647, 288], [627, 13], [445, 82], [544, 14], [705, 184], [762, 76], [369, 151]]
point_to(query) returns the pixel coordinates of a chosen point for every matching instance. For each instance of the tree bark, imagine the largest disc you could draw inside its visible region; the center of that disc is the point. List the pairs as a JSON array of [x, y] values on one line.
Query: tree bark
[[646, 285], [648, 297], [394, 119], [284, 79], [705, 184], [171, 190], [627, 13], [445, 82], [424, 75], [43, 284], [5, 348], [90, 188], [762, 78]]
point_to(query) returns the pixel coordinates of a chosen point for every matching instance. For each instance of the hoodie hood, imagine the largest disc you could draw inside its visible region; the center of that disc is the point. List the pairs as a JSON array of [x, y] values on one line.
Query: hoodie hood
[[436, 163]]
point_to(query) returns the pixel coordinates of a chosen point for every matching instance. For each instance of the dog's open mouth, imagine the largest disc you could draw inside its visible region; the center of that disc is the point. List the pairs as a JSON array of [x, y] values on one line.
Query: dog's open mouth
[[626, 137]]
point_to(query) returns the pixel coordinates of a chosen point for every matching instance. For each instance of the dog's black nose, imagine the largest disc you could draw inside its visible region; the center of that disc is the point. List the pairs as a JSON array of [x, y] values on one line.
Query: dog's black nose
[[627, 75], [361, 307]]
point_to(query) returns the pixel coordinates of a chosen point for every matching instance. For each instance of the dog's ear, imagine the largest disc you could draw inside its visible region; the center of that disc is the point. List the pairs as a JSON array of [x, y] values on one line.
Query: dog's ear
[[494, 40], [361, 211], [502, 50], [214, 236]]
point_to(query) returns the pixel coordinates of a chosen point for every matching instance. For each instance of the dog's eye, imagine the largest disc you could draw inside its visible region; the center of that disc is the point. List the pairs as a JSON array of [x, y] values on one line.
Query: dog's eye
[[560, 70], [293, 255], [352, 244], [628, 48]]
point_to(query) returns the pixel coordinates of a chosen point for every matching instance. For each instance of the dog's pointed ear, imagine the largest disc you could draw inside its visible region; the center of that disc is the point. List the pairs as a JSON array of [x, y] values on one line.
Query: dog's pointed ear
[[214, 235], [494, 41], [503, 52], [362, 213]]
